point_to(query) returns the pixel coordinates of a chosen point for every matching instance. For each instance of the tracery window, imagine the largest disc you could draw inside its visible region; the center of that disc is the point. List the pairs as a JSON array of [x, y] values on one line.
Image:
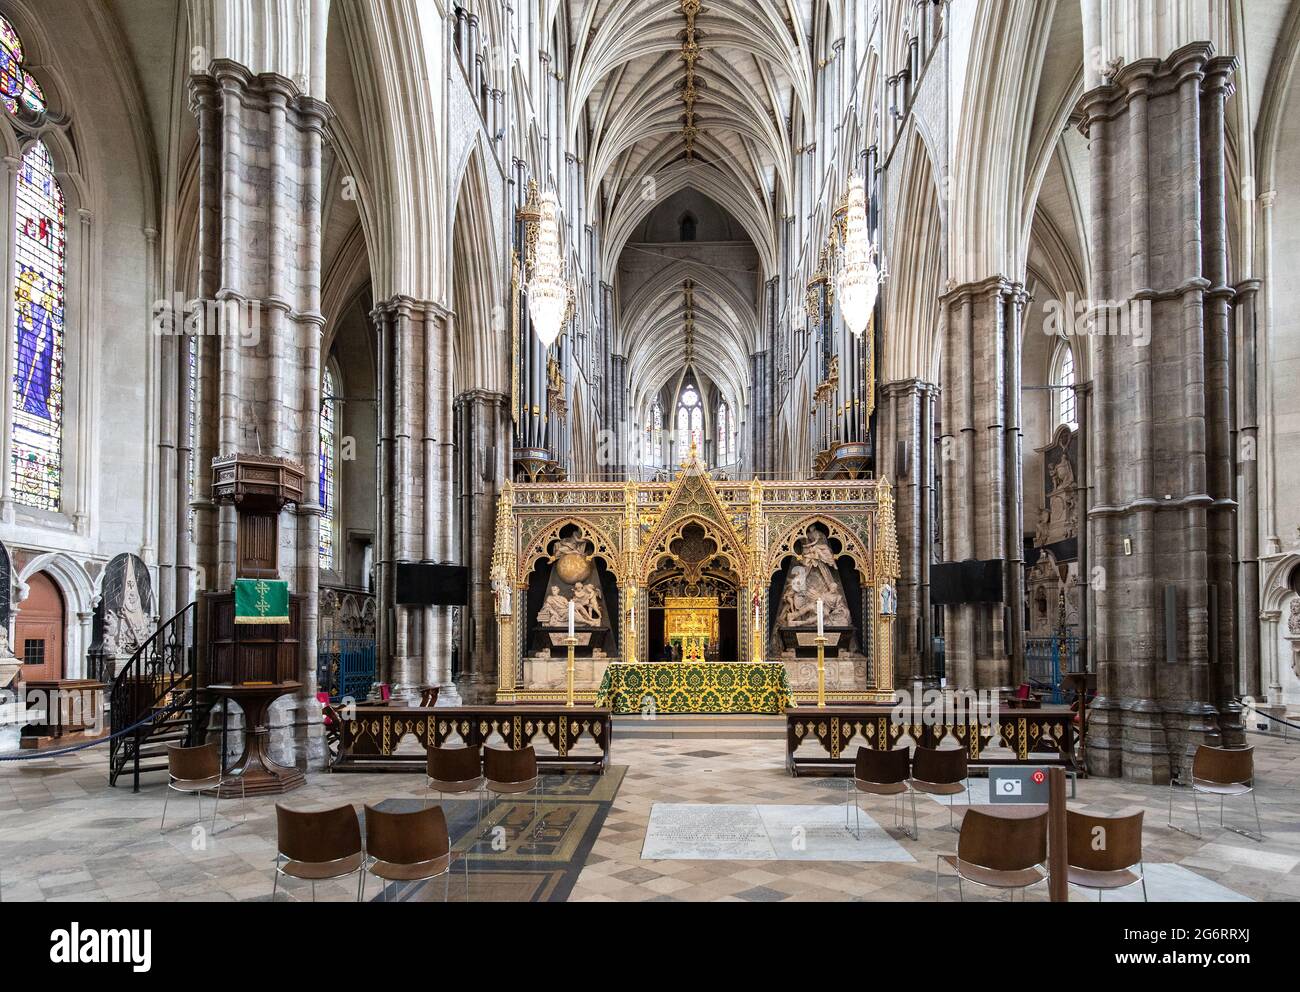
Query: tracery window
[[690, 423], [38, 283], [724, 429], [1065, 410], [328, 472], [36, 441], [655, 441], [18, 90]]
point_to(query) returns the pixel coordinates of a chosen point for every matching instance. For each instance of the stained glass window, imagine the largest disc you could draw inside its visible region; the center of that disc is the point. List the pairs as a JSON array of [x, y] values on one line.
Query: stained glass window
[[724, 435], [37, 462], [656, 434], [690, 424], [328, 467], [17, 87]]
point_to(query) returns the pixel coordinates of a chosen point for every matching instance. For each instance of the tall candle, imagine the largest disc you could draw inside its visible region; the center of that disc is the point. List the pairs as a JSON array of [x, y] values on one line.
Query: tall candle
[[570, 618], [820, 629]]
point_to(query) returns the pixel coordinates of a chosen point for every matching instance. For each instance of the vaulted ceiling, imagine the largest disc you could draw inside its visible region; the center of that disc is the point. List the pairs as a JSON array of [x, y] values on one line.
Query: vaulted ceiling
[[683, 94], [679, 95]]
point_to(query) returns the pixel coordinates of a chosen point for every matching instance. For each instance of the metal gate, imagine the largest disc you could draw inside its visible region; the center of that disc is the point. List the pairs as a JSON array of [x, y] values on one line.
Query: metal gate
[[1047, 659], [345, 667]]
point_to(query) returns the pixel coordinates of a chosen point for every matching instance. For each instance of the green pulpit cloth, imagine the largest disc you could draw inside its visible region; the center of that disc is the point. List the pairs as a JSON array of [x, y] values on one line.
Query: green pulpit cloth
[[261, 601]]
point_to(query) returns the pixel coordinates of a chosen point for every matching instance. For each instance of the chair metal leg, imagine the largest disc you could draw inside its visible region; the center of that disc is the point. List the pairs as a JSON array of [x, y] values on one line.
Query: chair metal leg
[[275, 878], [446, 884], [1258, 825], [361, 883], [916, 831], [313, 891], [216, 805], [936, 878], [465, 859], [1184, 830], [1143, 869], [166, 797], [961, 893]]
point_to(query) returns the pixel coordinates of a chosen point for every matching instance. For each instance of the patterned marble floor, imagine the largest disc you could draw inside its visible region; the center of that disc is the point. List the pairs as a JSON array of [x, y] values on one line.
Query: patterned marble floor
[[64, 835]]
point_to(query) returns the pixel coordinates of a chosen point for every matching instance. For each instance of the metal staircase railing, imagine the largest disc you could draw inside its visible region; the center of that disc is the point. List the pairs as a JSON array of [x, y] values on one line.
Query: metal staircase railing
[[159, 679]]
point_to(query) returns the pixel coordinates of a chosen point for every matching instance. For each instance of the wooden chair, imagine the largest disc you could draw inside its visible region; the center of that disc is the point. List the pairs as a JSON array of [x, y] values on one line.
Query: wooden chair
[[455, 770], [1222, 772], [197, 770], [998, 852], [880, 773], [940, 773], [410, 847], [1103, 851], [513, 772], [318, 846]]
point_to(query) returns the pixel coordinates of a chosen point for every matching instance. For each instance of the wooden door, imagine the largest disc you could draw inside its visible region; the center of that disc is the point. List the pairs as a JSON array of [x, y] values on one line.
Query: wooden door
[[39, 630]]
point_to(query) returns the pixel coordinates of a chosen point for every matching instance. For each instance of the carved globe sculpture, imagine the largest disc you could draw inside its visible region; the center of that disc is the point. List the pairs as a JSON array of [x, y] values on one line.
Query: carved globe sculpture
[[573, 567]]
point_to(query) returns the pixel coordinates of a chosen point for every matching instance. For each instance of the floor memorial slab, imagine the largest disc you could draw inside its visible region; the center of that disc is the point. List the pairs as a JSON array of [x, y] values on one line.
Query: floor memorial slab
[[733, 832]]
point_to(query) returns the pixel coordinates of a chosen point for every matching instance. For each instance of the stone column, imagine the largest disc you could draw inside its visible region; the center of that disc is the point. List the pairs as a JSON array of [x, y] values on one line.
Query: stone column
[[906, 428], [260, 142], [415, 478], [981, 443], [1247, 449], [1163, 519], [482, 461]]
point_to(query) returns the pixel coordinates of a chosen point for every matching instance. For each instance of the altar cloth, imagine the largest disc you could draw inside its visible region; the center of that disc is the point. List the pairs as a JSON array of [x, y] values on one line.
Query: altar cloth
[[695, 687]]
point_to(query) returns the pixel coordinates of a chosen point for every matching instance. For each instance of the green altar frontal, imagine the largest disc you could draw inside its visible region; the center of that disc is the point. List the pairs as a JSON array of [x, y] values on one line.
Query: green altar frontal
[[684, 687]]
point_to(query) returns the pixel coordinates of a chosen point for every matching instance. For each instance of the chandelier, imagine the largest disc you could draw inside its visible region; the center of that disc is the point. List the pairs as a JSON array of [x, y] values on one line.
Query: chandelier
[[548, 291], [859, 278]]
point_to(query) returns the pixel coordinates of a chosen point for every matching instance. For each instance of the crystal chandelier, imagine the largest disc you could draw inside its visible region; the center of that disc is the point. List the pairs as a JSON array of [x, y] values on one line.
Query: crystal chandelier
[[859, 278], [548, 291]]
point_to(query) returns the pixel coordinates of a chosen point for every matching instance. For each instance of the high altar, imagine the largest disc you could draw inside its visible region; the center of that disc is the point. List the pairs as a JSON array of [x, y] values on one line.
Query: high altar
[[731, 572]]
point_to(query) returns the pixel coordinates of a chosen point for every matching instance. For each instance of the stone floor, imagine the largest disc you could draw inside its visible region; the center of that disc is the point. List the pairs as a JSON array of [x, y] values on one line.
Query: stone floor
[[65, 835]]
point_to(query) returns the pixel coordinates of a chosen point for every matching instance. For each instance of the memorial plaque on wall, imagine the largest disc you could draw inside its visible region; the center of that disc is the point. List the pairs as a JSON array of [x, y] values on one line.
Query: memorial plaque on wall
[[5, 578]]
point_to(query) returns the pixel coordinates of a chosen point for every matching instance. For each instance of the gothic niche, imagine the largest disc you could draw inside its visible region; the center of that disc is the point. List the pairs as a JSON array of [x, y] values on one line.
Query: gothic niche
[[693, 587], [573, 576], [124, 616], [813, 574]]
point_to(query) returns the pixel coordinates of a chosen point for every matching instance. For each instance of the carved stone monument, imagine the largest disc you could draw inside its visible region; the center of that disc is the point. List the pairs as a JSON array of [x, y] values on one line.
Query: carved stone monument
[[573, 580], [814, 576]]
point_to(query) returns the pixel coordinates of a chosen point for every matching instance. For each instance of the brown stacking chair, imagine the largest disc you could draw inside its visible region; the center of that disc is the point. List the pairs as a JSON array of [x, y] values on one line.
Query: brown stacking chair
[[318, 846], [1103, 851], [999, 852], [940, 773], [880, 773], [410, 847], [197, 770], [1222, 772], [455, 770], [511, 773]]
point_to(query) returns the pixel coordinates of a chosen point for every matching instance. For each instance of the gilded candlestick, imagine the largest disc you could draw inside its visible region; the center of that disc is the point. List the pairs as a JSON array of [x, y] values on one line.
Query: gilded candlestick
[[571, 641]]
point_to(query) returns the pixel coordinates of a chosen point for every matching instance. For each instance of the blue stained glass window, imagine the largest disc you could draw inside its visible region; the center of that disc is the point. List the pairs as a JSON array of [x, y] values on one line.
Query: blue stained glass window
[[17, 87], [37, 370], [328, 469]]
